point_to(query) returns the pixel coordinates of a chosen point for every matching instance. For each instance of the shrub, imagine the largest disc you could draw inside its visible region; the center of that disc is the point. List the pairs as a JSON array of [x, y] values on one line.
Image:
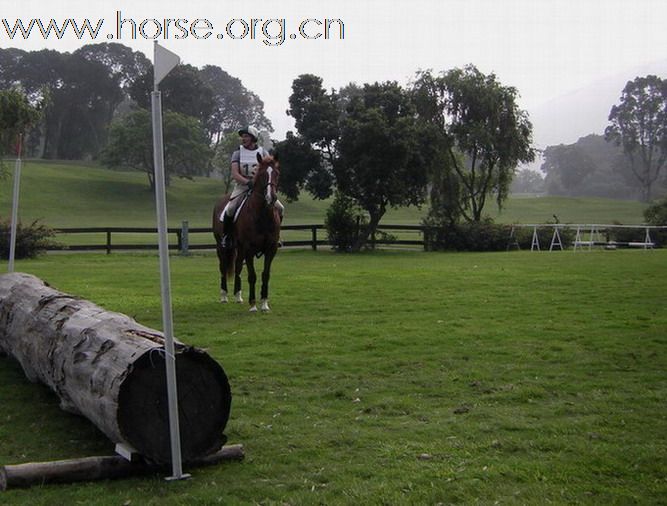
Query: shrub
[[30, 240], [343, 220], [471, 236], [656, 214], [623, 235]]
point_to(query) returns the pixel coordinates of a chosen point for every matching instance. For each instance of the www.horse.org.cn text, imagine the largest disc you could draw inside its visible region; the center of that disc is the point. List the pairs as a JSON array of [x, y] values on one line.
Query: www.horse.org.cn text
[[271, 32]]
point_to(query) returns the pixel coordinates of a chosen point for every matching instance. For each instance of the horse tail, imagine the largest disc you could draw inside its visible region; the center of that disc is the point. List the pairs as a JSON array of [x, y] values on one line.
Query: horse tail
[[229, 261]]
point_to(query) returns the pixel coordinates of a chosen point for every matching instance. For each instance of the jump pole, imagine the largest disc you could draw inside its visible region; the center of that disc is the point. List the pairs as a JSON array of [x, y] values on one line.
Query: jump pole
[[163, 62], [15, 206]]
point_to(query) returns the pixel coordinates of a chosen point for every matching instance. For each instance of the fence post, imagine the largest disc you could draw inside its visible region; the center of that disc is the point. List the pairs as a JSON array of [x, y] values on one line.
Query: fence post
[[184, 239], [108, 242], [314, 235]]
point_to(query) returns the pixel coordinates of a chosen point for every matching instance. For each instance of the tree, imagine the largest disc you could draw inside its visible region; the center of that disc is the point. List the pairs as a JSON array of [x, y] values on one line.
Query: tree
[[479, 118], [590, 167], [234, 105], [316, 114], [79, 97], [219, 101], [384, 153], [639, 125], [527, 181], [302, 167], [17, 115], [183, 91], [122, 63], [186, 149], [370, 144], [572, 164]]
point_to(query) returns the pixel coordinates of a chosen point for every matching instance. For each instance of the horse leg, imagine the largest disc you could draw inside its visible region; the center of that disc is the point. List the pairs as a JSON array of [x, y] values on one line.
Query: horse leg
[[238, 296], [266, 275], [252, 280], [223, 275]]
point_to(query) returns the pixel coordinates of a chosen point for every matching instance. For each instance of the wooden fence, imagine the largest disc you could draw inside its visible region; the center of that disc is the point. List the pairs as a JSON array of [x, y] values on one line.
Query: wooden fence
[[103, 238], [314, 236]]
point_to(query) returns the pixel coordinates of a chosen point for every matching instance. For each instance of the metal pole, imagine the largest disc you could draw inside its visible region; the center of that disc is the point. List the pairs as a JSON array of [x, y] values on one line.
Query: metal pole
[[165, 282], [15, 209]]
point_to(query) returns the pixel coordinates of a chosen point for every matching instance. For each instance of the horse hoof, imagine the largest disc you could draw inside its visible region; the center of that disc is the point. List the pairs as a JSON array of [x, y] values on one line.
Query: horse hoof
[[238, 298], [253, 309], [224, 300], [265, 306]]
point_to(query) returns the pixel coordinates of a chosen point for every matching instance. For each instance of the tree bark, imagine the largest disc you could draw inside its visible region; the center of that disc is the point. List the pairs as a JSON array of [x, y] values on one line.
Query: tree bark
[[110, 369]]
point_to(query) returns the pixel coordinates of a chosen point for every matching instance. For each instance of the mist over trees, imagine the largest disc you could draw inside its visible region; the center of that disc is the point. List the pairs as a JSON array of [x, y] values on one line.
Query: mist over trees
[[591, 167]]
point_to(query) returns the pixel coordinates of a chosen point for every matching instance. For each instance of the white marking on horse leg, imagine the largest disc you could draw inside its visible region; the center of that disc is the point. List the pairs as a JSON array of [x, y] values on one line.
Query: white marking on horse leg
[[223, 297], [253, 308], [238, 297], [264, 306]]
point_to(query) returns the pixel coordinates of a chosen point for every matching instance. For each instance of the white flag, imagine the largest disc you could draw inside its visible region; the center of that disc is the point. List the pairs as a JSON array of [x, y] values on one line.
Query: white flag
[[163, 62]]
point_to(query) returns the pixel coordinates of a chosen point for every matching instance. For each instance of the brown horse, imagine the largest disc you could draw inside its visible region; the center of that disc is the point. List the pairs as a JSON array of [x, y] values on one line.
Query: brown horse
[[256, 233]]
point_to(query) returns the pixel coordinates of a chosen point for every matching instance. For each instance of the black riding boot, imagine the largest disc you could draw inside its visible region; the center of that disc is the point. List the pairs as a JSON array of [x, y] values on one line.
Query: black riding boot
[[227, 240]]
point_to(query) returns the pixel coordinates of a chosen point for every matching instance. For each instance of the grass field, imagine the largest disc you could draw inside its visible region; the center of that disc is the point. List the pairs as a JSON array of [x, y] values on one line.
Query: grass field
[[393, 378], [77, 195]]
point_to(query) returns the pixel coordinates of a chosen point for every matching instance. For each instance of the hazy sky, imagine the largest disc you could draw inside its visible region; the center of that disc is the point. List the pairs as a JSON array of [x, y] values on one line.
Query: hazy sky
[[544, 48]]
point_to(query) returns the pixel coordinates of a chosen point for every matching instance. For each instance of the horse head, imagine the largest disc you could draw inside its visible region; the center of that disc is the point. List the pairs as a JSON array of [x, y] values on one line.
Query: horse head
[[266, 178]]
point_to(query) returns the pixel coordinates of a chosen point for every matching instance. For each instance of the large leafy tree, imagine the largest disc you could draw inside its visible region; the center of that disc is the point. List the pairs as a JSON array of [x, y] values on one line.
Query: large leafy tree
[[219, 101], [384, 153], [186, 149], [482, 131], [369, 141], [81, 92], [639, 124], [234, 106], [124, 65]]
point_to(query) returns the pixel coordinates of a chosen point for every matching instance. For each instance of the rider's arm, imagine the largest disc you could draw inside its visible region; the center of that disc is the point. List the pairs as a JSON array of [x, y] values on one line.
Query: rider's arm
[[236, 174]]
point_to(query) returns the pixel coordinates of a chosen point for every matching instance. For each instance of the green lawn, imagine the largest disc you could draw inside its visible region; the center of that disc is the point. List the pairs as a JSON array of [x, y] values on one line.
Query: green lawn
[[65, 194], [393, 378]]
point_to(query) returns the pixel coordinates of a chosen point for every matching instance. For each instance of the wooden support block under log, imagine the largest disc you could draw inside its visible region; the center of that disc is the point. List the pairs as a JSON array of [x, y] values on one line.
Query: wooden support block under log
[[96, 468], [110, 369]]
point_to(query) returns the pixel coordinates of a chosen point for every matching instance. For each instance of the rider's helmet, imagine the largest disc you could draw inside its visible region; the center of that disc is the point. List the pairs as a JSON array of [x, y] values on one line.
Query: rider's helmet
[[251, 131]]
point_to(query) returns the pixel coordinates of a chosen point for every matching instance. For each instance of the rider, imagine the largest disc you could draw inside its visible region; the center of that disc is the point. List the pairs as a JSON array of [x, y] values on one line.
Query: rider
[[244, 165]]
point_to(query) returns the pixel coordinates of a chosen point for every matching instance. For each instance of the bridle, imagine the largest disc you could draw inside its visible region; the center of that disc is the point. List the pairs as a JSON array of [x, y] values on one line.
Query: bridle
[[269, 198]]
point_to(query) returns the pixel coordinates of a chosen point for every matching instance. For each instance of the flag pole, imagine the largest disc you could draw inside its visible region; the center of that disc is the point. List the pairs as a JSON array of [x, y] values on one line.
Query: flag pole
[[165, 281], [15, 205]]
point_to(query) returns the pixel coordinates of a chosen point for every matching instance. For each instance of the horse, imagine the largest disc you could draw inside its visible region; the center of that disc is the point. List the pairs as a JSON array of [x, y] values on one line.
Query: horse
[[256, 233]]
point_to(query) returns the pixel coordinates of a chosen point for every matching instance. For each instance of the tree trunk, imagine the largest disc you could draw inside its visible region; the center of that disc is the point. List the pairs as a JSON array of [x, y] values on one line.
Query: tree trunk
[[368, 231], [108, 368]]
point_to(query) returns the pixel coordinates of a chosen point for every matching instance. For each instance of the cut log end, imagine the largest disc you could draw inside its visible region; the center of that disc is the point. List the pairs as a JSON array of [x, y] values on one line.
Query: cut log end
[[204, 399]]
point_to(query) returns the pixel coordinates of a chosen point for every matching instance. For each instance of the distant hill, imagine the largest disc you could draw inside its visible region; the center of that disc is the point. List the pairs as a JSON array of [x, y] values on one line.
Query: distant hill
[[583, 111]]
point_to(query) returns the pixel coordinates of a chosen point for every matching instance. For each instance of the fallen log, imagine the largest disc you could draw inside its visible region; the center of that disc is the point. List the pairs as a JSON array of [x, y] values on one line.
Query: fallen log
[[110, 369], [97, 468]]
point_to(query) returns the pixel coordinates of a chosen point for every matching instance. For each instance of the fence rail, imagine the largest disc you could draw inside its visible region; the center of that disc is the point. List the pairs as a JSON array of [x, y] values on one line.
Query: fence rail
[[182, 237]]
